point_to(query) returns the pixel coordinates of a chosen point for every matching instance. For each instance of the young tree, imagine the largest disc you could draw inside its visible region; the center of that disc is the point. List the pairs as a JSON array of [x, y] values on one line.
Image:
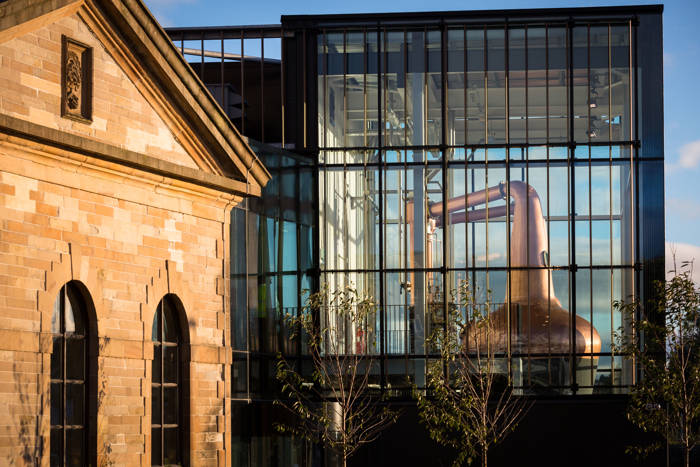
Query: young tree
[[469, 403], [337, 404], [663, 339]]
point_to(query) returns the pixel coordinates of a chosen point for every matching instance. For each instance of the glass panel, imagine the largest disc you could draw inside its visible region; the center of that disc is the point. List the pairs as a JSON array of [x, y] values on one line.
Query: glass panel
[[171, 328], [288, 251], [56, 454], [156, 452], [620, 119], [372, 88], [558, 205], [57, 358], [321, 89], [170, 364], [456, 87], [75, 320], [335, 91], [602, 307], [239, 312], [557, 82], [397, 191], [75, 358], [496, 83], [350, 208], [476, 87], [171, 450], [495, 223], [75, 448], [156, 405], [56, 403], [434, 234], [601, 253], [56, 315], [517, 81], [68, 318], [170, 405], [355, 89], [156, 328], [433, 79], [580, 83], [397, 309], [157, 363], [476, 228], [536, 85], [395, 96], [239, 376], [456, 220], [599, 82], [75, 404]]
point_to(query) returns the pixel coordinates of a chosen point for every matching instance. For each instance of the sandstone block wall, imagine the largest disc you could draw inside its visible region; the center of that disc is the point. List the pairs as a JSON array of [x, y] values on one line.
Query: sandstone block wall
[[129, 242]]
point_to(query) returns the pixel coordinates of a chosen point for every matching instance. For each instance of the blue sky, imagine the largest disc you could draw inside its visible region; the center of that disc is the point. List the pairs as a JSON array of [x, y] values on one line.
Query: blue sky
[[681, 72]]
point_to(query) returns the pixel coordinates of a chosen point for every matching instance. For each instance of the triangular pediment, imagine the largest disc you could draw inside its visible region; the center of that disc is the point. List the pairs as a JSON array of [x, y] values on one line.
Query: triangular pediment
[[145, 98]]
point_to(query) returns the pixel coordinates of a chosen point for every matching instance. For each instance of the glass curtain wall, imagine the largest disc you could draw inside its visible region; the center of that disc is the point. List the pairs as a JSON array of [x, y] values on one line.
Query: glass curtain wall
[[499, 155], [271, 270]]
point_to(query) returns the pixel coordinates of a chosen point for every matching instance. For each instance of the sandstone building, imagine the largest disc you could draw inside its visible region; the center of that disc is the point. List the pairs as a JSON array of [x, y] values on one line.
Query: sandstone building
[[118, 172]]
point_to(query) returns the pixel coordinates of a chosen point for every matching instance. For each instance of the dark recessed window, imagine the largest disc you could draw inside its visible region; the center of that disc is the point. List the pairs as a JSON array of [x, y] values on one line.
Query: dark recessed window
[[68, 379], [167, 432]]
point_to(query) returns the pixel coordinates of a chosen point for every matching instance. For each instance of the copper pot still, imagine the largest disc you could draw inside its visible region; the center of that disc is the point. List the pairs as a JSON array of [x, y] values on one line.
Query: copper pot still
[[533, 326]]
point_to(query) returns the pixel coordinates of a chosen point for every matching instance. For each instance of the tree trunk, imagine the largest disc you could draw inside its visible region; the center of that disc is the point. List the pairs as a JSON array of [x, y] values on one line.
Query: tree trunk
[[484, 452], [687, 456]]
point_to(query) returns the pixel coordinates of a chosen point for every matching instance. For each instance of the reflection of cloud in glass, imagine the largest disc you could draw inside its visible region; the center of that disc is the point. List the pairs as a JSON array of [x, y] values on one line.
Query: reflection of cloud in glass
[[56, 316], [69, 318]]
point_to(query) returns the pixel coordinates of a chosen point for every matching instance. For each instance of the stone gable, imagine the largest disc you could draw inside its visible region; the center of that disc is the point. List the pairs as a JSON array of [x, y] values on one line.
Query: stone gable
[[30, 89]]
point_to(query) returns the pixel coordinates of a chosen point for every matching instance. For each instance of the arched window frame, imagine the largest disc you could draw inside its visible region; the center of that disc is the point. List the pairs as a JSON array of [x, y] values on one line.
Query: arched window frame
[[77, 296], [171, 308]]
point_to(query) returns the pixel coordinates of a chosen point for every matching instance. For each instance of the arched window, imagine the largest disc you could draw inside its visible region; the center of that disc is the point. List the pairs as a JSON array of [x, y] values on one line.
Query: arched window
[[168, 415], [69, 377]]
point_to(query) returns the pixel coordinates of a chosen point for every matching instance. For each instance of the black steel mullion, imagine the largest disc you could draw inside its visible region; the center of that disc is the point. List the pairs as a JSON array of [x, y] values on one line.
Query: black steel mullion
[[509, 359], [242, 65], [466, 91], [262, 85], [344, 54], [283, 96], [221, 83], [381, 127], [446, 215], [571, 199]]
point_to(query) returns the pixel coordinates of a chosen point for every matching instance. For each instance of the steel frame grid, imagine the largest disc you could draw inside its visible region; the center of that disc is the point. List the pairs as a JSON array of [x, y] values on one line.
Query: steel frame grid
[[508, 145]]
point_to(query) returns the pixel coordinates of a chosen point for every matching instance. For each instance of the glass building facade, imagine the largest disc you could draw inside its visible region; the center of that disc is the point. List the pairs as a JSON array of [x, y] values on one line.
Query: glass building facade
[[498, 154], [520, 151]]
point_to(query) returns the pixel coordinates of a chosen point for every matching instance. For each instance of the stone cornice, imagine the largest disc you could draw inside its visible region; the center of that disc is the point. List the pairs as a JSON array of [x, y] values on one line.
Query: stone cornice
[[80, 146]]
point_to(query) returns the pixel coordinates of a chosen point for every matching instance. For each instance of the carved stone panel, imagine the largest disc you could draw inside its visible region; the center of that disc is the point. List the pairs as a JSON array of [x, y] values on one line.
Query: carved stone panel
[[76, 80]]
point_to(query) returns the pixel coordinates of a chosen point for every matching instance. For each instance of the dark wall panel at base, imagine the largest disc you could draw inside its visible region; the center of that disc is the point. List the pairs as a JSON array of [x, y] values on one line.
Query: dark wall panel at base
[[554, 434]]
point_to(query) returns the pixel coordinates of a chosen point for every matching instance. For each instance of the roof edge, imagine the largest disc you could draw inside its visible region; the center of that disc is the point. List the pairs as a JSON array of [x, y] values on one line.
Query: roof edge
[[218, 122], [516, 12]]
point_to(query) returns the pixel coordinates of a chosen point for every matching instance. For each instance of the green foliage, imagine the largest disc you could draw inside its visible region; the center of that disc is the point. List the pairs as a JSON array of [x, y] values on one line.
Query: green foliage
[[334, 404], [469, 404], [663, 340]]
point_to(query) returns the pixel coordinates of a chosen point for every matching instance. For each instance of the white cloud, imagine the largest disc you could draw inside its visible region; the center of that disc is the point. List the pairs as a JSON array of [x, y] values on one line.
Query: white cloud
[[690, 155], [668, 59], [683, 252], [685, 209]]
